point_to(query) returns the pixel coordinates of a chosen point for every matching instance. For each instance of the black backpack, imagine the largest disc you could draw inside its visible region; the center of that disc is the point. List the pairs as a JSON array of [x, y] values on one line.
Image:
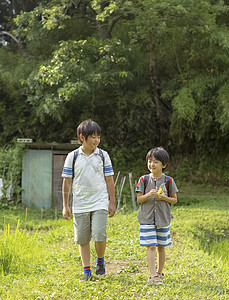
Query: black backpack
[[76, 153], [168, 181]]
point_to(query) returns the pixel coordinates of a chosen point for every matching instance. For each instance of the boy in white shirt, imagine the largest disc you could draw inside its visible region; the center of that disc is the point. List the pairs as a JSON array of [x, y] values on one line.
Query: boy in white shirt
[[91, 177]]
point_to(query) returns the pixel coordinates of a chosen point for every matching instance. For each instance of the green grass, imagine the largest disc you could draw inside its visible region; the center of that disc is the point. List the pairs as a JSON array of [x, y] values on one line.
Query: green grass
[[45, 262]]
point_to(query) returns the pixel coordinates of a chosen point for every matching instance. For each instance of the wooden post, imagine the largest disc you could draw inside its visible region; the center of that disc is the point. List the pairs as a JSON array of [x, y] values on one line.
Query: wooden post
[[55, 212], [26, 213], [117, 191], [132, 191], [116, 179], [41, 213], [120, 194]]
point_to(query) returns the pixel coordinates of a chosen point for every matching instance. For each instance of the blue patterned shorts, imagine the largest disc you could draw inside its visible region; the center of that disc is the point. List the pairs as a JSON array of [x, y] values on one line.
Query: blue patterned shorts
[[154, 235]]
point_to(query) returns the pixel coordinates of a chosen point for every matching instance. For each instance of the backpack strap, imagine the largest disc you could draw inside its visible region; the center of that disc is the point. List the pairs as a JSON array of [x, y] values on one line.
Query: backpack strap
[[76, 153], [103, 159], [168, 181], [145, 180]]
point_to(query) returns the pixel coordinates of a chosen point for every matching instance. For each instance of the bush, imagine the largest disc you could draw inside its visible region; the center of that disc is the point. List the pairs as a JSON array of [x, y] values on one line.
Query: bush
[[206, 170], [10, 172]]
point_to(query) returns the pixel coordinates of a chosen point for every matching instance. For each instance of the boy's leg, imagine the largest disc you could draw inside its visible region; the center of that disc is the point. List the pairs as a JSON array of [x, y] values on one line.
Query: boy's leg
[[151, 251], [100, 248], [99, 223], [85, 253], [98, 228], [85, 257], [100, 263], [160, 258], [82, 233], [154, 278]]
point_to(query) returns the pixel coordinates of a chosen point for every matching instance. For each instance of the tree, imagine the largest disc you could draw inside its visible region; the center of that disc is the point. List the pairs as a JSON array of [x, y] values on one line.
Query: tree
[[160, 67], [78, 72], [8, 11]]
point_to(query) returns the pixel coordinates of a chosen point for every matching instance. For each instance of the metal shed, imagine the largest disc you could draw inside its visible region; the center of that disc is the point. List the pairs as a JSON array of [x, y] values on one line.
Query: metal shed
[[42, 166]]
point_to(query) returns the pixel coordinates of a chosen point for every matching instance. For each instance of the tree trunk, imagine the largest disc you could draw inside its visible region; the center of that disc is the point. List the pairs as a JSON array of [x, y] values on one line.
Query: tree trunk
[[20, 46], [103, 30], [161, 116]]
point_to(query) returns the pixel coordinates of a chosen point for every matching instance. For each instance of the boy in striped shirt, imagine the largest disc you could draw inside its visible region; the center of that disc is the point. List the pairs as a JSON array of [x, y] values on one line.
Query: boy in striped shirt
[[156, 193], [91, 178]]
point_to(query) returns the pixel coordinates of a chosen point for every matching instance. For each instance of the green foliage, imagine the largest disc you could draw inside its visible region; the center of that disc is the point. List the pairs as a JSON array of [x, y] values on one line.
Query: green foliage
[[199, 170], [93, 59], [184, 105], [41, 29], [44, 17], [11, 171], [222, 111], [78, 70], [134, 130], [106, 11], [15, 111]]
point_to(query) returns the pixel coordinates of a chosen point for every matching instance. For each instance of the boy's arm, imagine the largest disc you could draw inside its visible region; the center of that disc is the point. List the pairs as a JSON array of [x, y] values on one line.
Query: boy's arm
[[111, 193], [66, 187], [142, 198], [172, 199]]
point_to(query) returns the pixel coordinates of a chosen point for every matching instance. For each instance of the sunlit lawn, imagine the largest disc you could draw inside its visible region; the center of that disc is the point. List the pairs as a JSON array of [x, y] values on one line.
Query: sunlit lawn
[[45, 262]]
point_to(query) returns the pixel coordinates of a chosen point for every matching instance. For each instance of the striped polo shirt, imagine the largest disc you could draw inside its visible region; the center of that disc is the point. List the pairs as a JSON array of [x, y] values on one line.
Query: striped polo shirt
[[89, 186]]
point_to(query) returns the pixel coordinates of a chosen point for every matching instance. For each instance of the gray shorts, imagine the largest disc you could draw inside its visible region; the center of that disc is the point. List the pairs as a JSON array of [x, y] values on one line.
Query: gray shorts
[[92, 224]]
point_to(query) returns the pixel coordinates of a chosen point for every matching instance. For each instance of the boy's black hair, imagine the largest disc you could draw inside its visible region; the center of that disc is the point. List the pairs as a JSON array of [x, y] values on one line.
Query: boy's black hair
[[86, 128], [160, 154]]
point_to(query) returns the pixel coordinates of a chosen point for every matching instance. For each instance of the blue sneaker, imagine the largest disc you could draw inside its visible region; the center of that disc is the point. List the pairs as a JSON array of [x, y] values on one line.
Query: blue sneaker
[[100, 270], [86, 277]]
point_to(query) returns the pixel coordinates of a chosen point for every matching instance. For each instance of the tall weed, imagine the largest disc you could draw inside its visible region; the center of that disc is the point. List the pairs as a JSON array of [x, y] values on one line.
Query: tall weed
[[15, 249]]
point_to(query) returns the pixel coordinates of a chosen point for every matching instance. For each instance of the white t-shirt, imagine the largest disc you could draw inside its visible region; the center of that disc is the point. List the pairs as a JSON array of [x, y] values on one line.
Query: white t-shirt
[[89, 186]]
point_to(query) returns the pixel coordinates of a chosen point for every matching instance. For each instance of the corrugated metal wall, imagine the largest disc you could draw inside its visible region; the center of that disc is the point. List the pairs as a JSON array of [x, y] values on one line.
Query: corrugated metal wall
[[37, 178]]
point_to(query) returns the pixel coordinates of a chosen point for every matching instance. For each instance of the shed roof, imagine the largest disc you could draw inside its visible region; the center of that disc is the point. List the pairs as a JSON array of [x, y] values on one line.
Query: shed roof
[[52, 146]]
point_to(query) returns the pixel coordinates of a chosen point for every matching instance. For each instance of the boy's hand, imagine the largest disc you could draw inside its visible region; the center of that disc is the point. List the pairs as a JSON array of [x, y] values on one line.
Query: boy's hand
[[152, 193], [66, 213], [111, 209], [160, 196]]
